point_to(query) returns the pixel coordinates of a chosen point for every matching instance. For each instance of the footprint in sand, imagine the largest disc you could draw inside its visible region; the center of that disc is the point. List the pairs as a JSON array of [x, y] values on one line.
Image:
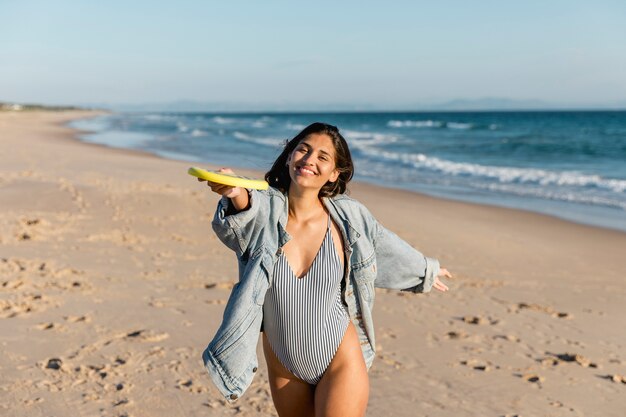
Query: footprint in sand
[[77, 319], [616, 378], [188, 385], [388, 360], [574, 357], [24, 304], [479, 320], [27, 273], [456, 335], [147, 336], [542, 309], [50, 326], [12, 284], [509, 337], [225, 285], [479, 365], [532, 378], [31, 229], [11, 265]]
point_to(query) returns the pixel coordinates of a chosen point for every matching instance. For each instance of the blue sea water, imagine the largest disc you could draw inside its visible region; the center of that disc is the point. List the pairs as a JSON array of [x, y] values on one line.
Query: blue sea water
[[567, 164]]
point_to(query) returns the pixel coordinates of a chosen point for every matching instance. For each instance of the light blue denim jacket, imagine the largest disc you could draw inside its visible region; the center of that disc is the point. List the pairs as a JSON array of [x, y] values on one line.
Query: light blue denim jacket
[[375, 257]]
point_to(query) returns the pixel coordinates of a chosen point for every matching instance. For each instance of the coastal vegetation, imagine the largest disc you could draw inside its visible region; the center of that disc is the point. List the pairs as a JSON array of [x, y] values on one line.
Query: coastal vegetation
[[32, 107]]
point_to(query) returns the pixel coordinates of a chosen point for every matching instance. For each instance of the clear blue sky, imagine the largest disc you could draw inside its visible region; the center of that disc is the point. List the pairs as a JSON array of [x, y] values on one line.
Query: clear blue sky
[[393, 53]]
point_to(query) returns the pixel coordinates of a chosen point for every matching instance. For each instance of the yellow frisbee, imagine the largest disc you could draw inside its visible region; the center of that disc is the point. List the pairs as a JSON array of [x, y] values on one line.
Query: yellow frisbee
[[228, 179]]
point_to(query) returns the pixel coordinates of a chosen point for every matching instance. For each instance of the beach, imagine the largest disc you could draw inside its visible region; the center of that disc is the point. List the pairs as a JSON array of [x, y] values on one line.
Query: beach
[[113, 283]]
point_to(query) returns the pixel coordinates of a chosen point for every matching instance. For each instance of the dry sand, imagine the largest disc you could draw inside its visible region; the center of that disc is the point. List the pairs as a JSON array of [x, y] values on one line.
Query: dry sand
[[112, 284]]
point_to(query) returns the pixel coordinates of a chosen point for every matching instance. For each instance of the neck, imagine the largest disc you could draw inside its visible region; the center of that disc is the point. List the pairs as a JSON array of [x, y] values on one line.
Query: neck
[[304, 204]]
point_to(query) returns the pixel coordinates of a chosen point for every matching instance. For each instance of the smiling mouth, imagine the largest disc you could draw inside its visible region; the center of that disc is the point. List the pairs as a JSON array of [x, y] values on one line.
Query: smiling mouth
[[305, 170]]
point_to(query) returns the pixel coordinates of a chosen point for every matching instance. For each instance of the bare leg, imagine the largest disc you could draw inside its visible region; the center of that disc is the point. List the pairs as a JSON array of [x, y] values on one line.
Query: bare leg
[[291, 395], [343, 391]]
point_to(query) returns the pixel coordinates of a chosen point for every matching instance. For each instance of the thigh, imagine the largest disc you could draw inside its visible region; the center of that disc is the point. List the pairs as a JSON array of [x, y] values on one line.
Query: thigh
[[344, 388], [291, 395]]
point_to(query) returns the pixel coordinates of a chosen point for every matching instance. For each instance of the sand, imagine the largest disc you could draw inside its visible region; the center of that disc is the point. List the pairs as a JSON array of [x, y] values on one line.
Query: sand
[[112, 284]]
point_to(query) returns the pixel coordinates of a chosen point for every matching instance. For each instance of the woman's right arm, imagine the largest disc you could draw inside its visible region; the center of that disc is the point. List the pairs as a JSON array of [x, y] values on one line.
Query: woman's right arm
[[237, 221]]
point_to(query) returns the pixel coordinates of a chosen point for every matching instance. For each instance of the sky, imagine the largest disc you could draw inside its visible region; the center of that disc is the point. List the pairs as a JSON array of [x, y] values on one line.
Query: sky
[[391, 54]]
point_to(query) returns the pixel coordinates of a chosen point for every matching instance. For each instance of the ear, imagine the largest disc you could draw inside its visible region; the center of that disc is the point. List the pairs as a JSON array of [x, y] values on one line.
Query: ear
[[334, 175]]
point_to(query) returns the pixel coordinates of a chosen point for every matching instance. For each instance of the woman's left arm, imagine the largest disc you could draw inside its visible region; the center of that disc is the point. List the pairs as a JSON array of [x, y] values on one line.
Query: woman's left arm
[[402, 267]]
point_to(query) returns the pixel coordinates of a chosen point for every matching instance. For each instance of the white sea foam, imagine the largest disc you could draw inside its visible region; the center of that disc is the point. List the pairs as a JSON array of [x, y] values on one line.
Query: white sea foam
[[182, 127], [414, 123], [552, 194], [365, 139], [295, 126], [155, 117], [222, 120], [273, 142], [501, 174], [197, 133], [455, 125], [432, 124]]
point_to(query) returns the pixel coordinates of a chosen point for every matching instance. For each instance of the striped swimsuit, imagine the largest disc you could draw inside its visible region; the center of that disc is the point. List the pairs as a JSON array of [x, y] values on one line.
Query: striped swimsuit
[[304, 318]]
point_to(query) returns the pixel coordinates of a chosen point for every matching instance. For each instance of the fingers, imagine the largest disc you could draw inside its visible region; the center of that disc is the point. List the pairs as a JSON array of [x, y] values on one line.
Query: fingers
[[220, 188], [223, 169], [443, 272], [225, 190], [438, 285]]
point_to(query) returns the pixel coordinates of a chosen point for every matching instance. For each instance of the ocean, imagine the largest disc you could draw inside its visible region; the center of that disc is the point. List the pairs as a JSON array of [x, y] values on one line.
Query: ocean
[[569, 164]]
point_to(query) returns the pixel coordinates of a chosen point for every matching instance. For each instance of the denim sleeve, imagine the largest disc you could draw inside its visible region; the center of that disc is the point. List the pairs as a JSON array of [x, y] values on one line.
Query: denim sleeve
[[237, 230], [400, 266]]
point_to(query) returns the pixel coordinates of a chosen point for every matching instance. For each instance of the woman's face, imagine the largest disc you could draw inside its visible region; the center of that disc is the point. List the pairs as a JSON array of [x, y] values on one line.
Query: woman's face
[[312, 162]]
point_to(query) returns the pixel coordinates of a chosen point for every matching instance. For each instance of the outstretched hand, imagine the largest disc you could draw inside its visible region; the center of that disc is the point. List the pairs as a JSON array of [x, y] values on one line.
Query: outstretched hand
[[443, 272], [221, 189]]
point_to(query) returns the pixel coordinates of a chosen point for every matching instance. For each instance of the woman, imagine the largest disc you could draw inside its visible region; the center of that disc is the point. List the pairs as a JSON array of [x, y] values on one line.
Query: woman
[[309, 259]]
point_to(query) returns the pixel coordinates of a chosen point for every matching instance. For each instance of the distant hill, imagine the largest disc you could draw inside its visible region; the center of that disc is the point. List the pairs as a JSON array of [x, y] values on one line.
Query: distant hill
[[179, 106], [491, 103]]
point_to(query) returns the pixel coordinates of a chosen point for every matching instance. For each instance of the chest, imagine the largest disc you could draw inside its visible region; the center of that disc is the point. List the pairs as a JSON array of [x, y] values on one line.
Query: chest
[[305, 243]]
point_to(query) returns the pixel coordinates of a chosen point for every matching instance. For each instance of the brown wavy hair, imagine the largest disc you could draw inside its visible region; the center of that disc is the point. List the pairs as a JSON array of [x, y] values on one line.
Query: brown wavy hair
[[278, 175]]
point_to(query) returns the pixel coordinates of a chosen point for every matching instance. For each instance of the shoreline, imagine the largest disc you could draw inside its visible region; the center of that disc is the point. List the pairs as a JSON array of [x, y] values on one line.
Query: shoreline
[[113, 284], [361, 183]]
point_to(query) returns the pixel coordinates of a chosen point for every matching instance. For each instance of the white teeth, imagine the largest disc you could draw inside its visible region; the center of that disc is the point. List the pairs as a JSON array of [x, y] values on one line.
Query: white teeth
[[307, 170]]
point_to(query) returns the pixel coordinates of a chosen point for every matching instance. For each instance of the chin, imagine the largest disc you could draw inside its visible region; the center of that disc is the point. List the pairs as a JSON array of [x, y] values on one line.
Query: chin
[[304, 182]]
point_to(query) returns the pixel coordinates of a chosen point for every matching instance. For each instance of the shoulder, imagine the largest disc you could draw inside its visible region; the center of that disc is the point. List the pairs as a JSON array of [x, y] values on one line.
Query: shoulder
[[347, 203], [353, 210], [271, 204]]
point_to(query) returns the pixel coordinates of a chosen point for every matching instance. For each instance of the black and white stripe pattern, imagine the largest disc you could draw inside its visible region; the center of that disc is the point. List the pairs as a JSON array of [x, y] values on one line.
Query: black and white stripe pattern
[[304, 318]]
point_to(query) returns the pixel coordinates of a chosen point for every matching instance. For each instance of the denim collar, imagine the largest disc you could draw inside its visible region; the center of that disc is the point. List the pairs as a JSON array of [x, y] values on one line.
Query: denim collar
[[350, 235]]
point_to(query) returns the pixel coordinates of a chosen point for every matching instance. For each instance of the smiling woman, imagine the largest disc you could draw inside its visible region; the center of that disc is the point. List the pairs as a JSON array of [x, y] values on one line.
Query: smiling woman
[[309, 259], [336, 153]]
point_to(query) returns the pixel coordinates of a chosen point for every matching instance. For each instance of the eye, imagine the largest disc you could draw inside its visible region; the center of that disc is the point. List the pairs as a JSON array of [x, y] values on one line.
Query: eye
[[323, 158]]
